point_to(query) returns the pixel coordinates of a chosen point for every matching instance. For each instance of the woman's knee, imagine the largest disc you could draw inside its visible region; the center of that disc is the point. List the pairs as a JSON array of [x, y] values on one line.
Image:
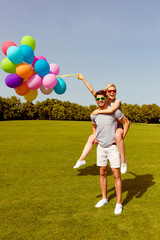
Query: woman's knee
[[91, 138], [119, 135]]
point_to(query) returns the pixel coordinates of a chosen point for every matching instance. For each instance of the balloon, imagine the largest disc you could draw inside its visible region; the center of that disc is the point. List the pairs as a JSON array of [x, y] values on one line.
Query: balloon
[[8, 66], [60, 87], [24, 70], [38, 58], [28, 40], [31, 95], [34, 82], [13, 80], [14, 54], [42, 67], [28, 54], [54, 68], [22, 89], [45, 90], [50, 80], [6, 45]]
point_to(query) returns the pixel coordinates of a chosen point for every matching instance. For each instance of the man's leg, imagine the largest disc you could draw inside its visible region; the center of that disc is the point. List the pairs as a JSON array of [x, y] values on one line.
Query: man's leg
[[103, 181], [118, 187], [102, 163], [118, 183], [103, 185]]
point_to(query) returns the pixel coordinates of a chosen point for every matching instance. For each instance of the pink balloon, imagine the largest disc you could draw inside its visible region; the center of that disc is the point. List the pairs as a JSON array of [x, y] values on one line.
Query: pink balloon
[[6, 45], [45, 90], [34, 82], [38, 58], [54, 68], [49, 80]]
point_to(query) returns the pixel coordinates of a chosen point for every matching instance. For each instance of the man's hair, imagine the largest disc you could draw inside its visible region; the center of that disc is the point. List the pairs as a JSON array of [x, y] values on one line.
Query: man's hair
[[110, 85], [100, 92]]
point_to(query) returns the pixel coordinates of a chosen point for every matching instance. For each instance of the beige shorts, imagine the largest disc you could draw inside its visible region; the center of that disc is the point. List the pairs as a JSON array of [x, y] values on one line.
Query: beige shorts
[[110, 154]]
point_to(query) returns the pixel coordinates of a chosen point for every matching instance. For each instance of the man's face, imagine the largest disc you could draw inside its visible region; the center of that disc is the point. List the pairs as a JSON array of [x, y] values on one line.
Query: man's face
[[101, 100]]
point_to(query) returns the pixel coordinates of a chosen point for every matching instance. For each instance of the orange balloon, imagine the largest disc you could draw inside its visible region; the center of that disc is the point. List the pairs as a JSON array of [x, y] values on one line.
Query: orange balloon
[[23, 89], [24, 70]]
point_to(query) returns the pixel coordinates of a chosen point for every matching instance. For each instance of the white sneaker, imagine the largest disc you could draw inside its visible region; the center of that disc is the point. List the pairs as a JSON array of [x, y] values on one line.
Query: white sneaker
[[118, 209], [124, 167], [101, 202], [79, 164]]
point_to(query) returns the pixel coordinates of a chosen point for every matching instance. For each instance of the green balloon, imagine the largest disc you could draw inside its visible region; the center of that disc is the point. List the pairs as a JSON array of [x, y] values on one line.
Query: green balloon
[[8, 66], [28, 40]]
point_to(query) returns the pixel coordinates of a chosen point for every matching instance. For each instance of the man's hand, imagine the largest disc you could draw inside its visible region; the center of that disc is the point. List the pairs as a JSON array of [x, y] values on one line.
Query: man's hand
[[95, 142]]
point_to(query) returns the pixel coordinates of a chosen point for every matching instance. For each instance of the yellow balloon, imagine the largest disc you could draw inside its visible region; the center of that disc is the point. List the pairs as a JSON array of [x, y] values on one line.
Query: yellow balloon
[[31, 95]]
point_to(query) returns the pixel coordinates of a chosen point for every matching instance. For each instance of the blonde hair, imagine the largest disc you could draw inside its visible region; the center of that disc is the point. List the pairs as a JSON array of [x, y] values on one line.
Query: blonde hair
[[110, 85]]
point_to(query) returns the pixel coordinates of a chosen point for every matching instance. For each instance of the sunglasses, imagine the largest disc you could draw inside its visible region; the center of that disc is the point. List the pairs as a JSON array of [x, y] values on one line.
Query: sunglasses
[[111, 91], [100, 98]]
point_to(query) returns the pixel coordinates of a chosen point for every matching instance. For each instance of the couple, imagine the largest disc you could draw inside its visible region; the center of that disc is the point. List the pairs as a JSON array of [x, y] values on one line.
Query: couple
[[107, 126]]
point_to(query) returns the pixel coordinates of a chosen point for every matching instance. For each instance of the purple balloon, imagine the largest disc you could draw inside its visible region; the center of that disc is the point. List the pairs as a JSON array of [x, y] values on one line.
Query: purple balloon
[[13, 80]]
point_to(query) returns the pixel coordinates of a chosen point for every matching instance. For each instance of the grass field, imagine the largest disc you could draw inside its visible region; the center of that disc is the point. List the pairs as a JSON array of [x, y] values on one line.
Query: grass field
[[43, 197]]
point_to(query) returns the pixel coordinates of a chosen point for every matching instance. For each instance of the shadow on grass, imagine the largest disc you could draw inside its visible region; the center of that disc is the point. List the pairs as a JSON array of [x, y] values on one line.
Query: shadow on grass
[[134, 187], [92, 170]]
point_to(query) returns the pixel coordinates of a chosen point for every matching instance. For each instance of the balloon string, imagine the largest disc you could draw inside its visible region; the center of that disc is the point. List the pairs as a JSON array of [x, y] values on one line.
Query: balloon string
[[69, 75]]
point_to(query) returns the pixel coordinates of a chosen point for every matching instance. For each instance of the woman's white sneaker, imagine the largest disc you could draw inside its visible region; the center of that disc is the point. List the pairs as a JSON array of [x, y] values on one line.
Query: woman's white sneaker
[[79, 164], [124, 167]]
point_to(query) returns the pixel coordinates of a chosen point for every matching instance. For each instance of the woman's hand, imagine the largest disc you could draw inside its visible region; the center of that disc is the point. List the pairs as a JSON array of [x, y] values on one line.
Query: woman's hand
[[95, 112], [80, 76]]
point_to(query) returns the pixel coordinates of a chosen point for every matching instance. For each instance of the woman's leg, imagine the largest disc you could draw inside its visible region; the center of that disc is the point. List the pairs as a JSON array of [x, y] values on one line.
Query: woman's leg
[[120, 144], [88, 147]]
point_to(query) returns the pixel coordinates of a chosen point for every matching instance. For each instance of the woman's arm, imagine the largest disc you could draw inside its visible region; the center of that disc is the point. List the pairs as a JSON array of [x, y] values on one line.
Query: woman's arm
[[80, 76], [110, 110]]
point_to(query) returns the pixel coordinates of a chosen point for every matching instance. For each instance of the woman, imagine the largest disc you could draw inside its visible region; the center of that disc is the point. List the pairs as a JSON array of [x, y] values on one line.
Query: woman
[[115, 104]]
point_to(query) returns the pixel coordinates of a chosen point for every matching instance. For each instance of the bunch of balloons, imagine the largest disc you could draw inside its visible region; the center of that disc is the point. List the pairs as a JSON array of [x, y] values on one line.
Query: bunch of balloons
[[27, 72]]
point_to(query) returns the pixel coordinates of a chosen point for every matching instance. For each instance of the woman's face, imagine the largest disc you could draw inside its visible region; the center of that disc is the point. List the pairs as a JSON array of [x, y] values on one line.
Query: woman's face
[[111, 93]]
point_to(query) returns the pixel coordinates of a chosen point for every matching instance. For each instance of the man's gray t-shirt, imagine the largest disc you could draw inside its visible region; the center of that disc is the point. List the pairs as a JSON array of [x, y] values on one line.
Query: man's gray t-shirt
[[106, 127]]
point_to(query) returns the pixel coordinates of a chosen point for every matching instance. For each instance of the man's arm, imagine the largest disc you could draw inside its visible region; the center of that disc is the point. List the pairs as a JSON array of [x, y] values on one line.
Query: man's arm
[[80, 76], [94, 128], [126, 123]]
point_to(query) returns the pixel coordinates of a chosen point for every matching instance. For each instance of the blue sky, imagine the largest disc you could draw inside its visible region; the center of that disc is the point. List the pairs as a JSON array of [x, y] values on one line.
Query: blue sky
[[109, 41]]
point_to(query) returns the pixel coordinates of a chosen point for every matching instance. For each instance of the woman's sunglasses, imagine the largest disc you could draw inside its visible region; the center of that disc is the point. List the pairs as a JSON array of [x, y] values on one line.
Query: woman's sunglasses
[[111, 91]]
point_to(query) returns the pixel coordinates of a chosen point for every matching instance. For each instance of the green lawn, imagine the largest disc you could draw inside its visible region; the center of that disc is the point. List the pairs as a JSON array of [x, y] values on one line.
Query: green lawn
[[43, 197]]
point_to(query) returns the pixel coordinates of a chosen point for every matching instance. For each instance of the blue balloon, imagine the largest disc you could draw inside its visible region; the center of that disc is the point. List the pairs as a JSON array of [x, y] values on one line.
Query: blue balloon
[[14, 54], [42, 67], [28, 53], [60, 87]]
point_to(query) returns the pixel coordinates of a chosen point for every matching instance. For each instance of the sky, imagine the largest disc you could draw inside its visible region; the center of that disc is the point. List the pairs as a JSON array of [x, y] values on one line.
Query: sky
[[108, 41]]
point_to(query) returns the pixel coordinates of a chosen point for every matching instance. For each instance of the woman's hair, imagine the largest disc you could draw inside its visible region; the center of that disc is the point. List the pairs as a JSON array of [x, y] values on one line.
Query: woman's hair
[[100, 92], [110, 85]]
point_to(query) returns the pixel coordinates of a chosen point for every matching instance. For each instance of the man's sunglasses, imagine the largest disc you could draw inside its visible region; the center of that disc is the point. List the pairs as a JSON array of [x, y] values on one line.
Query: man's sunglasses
[[100, 98], [111, 91]]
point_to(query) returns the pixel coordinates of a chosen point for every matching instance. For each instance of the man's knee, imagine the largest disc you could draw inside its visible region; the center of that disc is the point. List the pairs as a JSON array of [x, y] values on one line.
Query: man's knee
[[116, 174], [103, 171]]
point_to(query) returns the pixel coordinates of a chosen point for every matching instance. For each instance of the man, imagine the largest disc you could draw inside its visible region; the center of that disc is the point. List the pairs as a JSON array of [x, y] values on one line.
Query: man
[[105, 126]]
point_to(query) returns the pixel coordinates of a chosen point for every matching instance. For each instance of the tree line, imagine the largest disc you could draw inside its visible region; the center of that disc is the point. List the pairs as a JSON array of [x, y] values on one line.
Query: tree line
[[53, 109]]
